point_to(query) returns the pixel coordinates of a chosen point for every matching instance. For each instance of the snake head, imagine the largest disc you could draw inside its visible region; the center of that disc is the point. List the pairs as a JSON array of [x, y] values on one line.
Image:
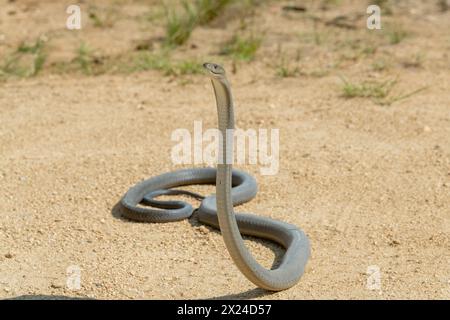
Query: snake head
[[214, 69]]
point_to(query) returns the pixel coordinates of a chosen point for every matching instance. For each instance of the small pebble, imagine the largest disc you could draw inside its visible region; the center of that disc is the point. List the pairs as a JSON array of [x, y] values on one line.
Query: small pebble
[[56, 285], [9, 255], [203, 230]]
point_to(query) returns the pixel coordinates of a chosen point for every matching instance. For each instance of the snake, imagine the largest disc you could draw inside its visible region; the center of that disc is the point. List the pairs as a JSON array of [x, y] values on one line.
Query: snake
[[233, 187]]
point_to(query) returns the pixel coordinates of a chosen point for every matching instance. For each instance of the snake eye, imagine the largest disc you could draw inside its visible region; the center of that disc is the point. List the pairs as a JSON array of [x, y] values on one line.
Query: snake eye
[[214, 68]]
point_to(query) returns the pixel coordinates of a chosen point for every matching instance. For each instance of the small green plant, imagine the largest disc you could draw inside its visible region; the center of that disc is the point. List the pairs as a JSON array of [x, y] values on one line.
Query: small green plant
[[208, 10], [149, 61], [188, 67], [286, 71], [396, 34], [32, 48], [102, 19], [384, 5], [357, 51], [368, 50], [27, 61], [367, 89], [391, 100], [242, 48], [179, 26], [38, 63], [84, 58], [378, 91], [161, 62], [9, 67]]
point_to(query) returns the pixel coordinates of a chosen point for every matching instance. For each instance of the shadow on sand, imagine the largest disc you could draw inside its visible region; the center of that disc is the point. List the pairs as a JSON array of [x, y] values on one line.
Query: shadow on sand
[[277, 250], [46, 297], [249, 294]]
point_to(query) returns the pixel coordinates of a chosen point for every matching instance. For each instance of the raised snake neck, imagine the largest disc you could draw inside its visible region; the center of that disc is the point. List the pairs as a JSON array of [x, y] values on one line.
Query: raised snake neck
[[232, 188]]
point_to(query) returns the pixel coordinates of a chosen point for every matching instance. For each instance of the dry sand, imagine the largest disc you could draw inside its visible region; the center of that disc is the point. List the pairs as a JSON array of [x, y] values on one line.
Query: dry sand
[[369, 184]]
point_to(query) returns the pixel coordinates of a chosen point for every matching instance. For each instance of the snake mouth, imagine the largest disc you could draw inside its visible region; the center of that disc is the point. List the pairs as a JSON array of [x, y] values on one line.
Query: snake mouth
[[214, 69]]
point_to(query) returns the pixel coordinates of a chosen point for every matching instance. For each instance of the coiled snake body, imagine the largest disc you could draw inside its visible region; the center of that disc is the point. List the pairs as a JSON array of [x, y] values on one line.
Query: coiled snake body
[[233, 187]]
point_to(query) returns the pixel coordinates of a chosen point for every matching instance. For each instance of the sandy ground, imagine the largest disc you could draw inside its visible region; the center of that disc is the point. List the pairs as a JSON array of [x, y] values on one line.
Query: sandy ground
[[369, 184]]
